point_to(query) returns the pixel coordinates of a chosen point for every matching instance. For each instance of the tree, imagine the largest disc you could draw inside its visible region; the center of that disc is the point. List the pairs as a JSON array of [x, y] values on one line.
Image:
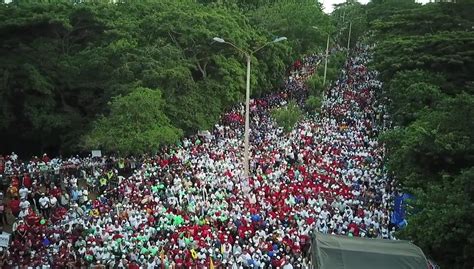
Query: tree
[[136, 124], [350, 18], [449, 53], [441, 220], [287, 116], [384, 9], [425, 54], [295, 20], [313, 103], [413, 92], [38, 40], [315, 82], [315, 85], [430, 157], [62, 62]]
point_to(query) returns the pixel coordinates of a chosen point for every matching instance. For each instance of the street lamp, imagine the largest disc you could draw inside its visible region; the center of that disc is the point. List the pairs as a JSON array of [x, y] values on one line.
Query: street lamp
[[326, 60], [248, 56], [349, 38]]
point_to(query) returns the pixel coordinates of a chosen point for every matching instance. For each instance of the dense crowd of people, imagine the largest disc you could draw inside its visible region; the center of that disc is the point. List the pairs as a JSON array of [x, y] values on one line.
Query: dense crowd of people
[[190, 207]]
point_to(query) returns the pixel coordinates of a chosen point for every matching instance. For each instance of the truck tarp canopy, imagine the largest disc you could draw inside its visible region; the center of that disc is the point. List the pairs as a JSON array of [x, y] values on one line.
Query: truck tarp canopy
[[342, 252]]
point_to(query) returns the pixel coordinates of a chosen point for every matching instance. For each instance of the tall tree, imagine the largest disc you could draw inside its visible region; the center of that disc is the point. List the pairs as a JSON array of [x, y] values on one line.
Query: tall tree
[[295, 20], [425, 57], [62, 63]]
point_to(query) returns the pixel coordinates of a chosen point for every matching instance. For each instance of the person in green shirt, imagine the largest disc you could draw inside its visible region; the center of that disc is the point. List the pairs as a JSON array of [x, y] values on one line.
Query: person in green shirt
[[103, 184]]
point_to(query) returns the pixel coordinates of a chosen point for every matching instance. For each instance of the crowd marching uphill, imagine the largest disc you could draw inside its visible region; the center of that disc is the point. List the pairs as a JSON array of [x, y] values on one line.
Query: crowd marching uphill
[[188, 206]]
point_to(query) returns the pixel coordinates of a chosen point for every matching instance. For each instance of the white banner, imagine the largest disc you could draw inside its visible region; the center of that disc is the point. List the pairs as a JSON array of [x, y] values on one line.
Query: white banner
[[96, 153]]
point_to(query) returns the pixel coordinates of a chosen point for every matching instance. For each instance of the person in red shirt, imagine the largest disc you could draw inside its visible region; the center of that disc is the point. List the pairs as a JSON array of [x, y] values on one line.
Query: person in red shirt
[[278, 262], [27, 180], [56, 192], [354, 228], [133, 265], [15, 206]]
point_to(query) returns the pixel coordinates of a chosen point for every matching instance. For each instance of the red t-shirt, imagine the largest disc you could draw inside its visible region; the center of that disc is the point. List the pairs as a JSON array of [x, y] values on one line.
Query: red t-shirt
[[15, 206], [133, 266], [27, 181]]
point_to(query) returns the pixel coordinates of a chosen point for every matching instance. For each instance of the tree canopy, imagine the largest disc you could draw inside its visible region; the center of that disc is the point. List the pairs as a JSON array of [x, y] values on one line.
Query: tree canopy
[[136, 124], [64, 61], [425, 57]]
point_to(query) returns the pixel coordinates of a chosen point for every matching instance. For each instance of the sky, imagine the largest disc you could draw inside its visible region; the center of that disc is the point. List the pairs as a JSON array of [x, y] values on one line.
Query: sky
[[328, 3]]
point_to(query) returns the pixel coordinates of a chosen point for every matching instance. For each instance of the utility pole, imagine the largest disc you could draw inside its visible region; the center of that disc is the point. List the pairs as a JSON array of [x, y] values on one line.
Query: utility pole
[[327, 54], [349, 38], [247, 122], [326, 62]]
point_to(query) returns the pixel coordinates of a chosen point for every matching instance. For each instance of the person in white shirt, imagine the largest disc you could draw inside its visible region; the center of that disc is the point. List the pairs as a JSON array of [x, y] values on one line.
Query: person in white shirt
[[44, 205], [23, 192], [53, 201], [13, 157], [24, 204], [73, 181], [287, 263]]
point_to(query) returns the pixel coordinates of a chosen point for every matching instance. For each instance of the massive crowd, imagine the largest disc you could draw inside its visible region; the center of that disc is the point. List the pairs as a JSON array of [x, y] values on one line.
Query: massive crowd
[[190, 207]]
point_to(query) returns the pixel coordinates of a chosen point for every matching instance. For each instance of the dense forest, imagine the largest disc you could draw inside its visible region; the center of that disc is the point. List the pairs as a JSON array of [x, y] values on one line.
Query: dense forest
[[76, 75], [425, 56], [68, 67]]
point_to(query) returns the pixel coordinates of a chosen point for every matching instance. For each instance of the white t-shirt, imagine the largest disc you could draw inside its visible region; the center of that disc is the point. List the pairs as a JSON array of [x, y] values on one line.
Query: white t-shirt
[[24, 204], [73, 181], [53, 201], [44, 202], [23, 192]]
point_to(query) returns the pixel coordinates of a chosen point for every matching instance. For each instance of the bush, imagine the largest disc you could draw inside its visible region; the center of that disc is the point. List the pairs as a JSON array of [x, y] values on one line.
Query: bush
[[288, 116], [331, 75], [313, 103], [315, 85]]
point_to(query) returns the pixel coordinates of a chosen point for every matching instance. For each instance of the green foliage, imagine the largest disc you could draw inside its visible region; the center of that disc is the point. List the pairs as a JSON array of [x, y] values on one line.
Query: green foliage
[[350, 17], [294, 19], [442, 223], [136, 124], [315, 84], [335, 64], [408, 18], [313, 103], [449, 53], [244, 5], [286, 117], [412, 93], [384, 9], [437, 141], [62, 62], [425, 55], [332, 74]]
